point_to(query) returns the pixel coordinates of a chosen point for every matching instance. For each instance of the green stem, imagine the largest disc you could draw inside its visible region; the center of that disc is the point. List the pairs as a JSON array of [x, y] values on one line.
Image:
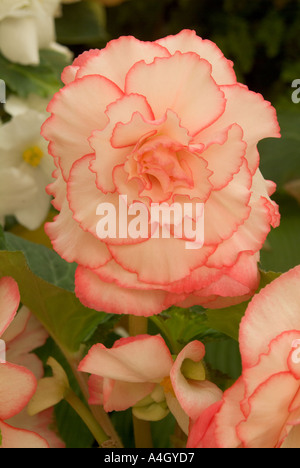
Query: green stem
[[87, 417], [142, 429], [98, 412], [138, 325]]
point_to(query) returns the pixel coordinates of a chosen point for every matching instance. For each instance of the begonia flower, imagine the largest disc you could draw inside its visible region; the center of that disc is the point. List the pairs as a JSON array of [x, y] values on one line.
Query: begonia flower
[[140, 372], [262, 409], [159, 122]]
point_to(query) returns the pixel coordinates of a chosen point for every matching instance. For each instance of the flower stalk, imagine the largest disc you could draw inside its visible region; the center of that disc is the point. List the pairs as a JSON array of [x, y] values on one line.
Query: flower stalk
[[142, 429]]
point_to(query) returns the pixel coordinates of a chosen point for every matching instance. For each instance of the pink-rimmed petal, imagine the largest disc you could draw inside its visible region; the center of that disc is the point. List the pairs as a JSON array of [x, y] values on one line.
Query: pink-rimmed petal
[[267, 416], [225, 160], [9, 302], [125, 51], [119, 396], [270, 314], [19, 438], [202, 433], [251, 112], [107, 154], [229, 416], [193, 396], [174, 260], [202, 101], [231, 205], [141, 359], [109, 297], [188, 41], [17, 387], [40, 425], [85, 248], [77, 110]]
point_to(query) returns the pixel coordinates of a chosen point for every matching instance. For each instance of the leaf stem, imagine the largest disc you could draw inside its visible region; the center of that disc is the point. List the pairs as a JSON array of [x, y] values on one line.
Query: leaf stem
[[142, 429], [98, 412], [87, 417], [159, 322]]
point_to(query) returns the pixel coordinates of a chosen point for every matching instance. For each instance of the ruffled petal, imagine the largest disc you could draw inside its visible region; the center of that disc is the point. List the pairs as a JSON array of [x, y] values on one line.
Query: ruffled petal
[[109, 297], [188, 41], [125, 51], [270, 314], [85, 249], [267, 416], [77, 110], [202, 101]]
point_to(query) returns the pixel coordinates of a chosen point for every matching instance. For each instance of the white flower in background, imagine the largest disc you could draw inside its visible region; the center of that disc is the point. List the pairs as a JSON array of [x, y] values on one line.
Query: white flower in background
[[26, 26], [25, 166]]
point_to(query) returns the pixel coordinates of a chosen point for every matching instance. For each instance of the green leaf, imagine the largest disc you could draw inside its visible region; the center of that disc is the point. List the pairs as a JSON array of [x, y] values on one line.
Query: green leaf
[[81, 23], [282, 251], [71, 428], [228, 320], [224, 355], [162, 432], [280, 159], [65, 318], [43, 79], [122, 421], [43, 262], [182, 326]]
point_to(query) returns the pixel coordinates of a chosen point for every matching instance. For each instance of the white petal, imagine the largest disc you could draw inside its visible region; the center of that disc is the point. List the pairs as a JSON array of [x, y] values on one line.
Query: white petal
[[19, 40], [33, 215], [16, 190]]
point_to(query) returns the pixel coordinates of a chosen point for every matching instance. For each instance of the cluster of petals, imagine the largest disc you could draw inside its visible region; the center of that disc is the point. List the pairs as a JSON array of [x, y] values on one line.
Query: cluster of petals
[[160, 122], [21, 333], [262, 409], [142, 366]]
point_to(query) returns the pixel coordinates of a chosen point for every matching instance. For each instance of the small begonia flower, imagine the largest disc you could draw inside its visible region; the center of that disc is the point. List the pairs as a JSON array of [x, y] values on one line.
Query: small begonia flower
[[140, 372], [262, 409]]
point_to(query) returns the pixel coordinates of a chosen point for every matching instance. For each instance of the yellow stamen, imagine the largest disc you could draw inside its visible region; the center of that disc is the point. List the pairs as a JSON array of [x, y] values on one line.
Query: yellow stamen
[[167, 385], [33, 156]]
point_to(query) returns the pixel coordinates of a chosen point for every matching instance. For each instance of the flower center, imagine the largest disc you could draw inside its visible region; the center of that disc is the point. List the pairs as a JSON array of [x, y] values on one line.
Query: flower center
[[33, 156], [159, 160], [167, 385]]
